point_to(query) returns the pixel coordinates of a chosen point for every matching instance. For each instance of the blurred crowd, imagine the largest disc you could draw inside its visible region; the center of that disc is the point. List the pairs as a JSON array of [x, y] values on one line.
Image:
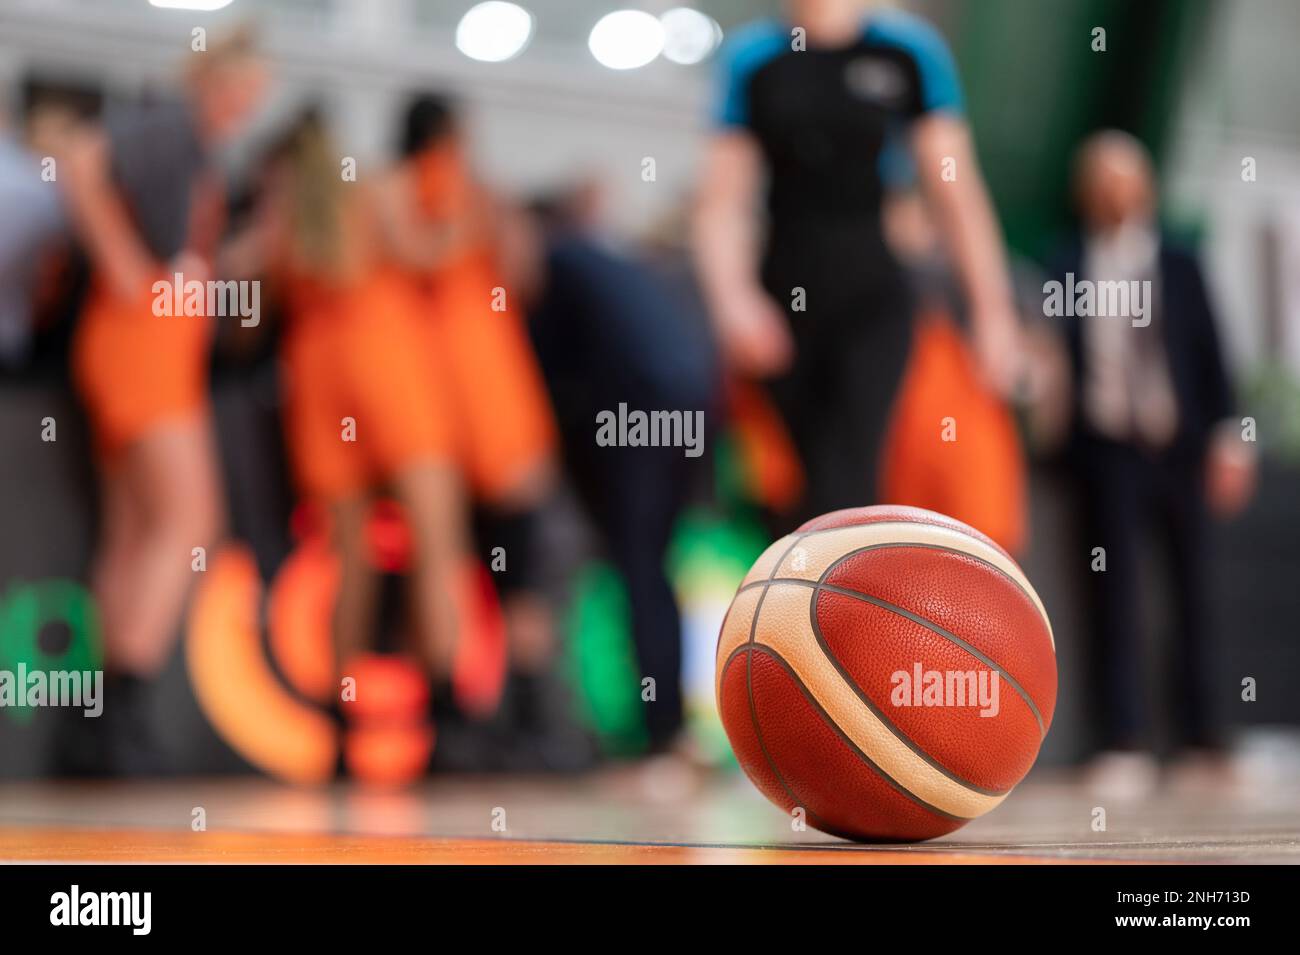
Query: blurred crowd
[[450, 350]]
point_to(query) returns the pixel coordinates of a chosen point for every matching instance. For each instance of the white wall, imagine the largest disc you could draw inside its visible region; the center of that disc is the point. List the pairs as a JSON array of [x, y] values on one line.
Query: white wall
[[1239, 100], [535, 122]]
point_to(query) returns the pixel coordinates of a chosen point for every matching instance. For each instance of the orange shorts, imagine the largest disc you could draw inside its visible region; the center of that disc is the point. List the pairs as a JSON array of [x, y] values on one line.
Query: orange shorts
[[362, 391], [135, 370], [505, 429]]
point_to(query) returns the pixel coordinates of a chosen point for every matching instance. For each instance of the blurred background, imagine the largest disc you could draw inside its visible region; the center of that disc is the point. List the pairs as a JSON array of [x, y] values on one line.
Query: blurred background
[[1203, 83]]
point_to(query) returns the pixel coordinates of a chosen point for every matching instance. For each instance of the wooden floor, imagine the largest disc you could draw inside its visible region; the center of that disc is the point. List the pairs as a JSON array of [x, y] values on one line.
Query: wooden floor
[[615, 817]]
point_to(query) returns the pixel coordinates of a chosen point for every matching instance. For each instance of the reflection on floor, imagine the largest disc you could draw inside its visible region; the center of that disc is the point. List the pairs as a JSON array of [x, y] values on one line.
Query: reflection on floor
[[616, 816]]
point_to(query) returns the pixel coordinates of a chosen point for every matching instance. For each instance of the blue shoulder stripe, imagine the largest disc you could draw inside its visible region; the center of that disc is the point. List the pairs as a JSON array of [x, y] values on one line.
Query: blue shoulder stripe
[[940, 86], [742, 55]]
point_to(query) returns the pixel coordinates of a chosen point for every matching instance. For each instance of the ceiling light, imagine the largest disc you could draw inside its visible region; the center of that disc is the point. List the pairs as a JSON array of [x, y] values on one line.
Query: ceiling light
[[626, 39], [494, 31], [689, 36]]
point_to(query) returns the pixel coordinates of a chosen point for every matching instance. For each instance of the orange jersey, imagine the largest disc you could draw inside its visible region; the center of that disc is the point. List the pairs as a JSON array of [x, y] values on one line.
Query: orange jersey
[[136, 370], [363, 399], [504, 425]]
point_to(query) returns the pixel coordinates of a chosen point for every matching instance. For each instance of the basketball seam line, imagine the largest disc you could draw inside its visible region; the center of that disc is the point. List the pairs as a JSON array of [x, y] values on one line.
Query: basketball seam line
[[771, 576], [820, 584], [922, 621], [829, 721], [871, 705], [753, 719], [957, 530], [749, 685], [934, 627], [1033, 598]]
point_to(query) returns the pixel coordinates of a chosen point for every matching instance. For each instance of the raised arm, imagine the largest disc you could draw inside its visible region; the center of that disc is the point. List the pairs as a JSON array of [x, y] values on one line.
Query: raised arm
[[103, 223]]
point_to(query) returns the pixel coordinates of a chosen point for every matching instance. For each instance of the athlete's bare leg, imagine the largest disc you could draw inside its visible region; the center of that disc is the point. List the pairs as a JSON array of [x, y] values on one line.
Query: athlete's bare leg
[[165, 502], [435, 508]]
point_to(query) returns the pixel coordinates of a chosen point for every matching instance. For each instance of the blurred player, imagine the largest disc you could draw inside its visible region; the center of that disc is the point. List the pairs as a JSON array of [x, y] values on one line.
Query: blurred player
[[144, 199], [505, 432], [610, 330], [822, 309], [981, 479], [1153, 444], [35, 221], [363, 411]]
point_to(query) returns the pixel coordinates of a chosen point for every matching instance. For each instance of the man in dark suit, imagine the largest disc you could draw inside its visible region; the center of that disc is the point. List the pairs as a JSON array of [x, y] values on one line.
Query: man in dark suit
[[1155, 444]]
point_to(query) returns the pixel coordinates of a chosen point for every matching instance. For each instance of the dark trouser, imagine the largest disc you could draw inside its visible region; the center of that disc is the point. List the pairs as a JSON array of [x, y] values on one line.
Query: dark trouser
[[851, 350], [638, 495], [609, 331], [1128, 493]]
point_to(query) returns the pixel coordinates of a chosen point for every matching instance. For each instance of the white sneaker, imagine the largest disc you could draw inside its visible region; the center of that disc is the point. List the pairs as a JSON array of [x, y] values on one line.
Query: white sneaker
[[1122, 775]]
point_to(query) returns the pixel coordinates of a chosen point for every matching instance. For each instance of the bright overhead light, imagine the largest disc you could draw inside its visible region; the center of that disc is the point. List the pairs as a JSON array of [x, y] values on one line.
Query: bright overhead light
[[204, 5], [494, 31], [626, 39], [689, 36]]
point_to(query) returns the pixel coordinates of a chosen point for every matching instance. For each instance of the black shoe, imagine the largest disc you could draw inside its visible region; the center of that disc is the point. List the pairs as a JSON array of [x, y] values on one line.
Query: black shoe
[[81, 749], [544, 734], [132, 745], [335, 713]]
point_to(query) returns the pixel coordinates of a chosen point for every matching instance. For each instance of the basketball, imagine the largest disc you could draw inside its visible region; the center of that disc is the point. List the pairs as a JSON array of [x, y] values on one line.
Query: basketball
[[886, 674]]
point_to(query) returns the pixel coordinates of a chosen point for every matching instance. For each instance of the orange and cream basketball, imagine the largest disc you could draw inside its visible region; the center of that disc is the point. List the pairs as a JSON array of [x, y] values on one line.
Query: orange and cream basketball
[[886, 673]]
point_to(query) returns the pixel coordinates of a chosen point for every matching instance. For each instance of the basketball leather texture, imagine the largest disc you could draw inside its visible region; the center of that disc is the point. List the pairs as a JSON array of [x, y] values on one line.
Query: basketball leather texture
[[886, 673]]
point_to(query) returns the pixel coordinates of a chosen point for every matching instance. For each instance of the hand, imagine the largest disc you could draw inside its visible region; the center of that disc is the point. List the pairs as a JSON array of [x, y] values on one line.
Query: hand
[[999, 350], [191, 266], [754, 333], [84, 158], [1229, 472]]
